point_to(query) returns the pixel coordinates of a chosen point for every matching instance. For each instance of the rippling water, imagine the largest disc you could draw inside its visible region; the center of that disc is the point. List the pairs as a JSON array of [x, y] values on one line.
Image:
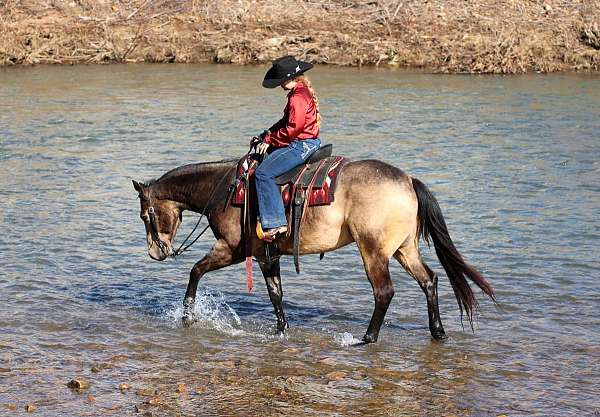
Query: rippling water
[[514, 162]]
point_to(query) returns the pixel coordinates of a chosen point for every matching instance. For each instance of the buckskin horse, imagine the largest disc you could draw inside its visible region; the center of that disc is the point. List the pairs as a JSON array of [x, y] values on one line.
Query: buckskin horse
[[378, 206]]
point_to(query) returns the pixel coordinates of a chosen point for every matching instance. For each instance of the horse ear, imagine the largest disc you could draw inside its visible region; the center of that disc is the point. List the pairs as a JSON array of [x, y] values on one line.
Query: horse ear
[[138, 187]]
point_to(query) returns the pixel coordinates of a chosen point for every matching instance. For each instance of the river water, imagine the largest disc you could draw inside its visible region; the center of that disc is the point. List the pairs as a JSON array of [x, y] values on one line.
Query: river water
[[513, 161]]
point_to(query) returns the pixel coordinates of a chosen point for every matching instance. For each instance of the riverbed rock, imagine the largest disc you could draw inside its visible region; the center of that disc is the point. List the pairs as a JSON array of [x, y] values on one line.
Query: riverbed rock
[[327, 361], [181, 389], [200, 391], [227, 364], [124, 387], [78, 384], [336, 375], [30, 408], [155, 401], [140, 409], [146, 392], [291, 380]]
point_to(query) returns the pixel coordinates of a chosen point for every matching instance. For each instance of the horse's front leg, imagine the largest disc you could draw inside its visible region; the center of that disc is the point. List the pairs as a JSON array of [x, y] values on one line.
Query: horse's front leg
[[272, 275], [221, 255]]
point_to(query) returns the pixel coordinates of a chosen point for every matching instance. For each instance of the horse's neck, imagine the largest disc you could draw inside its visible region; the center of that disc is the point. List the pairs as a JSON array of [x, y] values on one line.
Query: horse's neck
[[195, 191]]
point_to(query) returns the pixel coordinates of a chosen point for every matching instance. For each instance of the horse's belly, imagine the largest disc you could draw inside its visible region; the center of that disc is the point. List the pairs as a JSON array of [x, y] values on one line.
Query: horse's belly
[[323, 230]]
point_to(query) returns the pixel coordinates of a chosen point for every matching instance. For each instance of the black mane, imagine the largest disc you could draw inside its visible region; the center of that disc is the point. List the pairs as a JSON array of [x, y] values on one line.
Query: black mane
[[188, 169]]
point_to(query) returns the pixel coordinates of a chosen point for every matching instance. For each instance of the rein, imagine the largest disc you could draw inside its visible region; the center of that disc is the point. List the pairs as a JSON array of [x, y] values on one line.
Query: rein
[[162, 245]]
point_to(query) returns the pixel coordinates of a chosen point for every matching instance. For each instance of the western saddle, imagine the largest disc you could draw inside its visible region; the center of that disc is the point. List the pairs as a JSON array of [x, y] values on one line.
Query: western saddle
[[309, 184]]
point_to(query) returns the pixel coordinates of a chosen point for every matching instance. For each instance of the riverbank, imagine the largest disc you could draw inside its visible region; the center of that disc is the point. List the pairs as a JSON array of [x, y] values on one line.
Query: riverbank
[[468, 36]]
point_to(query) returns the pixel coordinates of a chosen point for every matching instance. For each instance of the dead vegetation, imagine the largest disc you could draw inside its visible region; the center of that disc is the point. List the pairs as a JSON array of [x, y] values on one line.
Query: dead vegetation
[[590, 35], [483, 36]]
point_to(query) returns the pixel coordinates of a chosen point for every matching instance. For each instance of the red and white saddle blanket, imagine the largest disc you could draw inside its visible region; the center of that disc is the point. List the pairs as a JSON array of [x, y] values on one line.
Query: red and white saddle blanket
[[318, 178]]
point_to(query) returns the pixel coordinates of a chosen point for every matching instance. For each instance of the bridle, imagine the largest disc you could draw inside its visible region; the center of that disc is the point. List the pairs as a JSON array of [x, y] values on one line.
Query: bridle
[[162, 245], [154, 233]]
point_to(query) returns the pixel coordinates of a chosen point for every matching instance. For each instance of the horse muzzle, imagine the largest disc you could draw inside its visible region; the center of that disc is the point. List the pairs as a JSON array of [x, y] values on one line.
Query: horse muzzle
[[159, 250]]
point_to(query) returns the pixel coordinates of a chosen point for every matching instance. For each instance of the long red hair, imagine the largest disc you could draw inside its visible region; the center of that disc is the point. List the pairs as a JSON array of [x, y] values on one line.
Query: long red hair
[[304, 80]]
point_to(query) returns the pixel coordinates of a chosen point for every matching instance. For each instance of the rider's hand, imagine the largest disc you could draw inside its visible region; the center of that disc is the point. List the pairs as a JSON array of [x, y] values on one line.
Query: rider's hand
[[262, 148], [255, 141]]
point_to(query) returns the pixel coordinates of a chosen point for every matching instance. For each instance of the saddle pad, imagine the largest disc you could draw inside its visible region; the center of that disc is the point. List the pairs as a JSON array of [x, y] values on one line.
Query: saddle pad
[[322, 190]]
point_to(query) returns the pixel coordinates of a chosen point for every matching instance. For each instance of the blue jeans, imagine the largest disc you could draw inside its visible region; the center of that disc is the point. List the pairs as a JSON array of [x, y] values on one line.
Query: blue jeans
[[270, 204]]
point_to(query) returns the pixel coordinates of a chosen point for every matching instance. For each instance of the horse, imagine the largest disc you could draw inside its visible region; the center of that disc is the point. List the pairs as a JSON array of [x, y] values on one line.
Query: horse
[[378, 206]]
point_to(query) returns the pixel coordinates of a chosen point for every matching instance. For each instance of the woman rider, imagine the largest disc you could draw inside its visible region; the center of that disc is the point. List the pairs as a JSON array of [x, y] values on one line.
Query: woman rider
[[289, 142]]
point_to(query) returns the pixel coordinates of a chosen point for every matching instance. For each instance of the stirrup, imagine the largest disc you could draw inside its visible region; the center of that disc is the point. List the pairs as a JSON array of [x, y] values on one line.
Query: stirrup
[[269, 237]]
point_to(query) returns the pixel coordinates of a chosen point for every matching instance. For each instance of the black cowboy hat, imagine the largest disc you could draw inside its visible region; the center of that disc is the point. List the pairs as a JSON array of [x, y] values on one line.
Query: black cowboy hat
[[283, 69]]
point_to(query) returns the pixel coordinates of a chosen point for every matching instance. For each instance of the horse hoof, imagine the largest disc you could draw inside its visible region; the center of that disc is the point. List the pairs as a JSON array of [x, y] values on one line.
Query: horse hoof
[[187, 321], [369, 338], [281, 330], [439, 336]]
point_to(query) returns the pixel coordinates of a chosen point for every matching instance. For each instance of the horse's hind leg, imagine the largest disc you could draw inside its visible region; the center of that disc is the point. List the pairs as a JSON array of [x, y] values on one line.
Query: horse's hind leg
[[272, 275], [411, 260], [377, 268]]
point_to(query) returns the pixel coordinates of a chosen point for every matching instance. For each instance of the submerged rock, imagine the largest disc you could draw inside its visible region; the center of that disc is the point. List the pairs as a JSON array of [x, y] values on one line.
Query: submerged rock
[[30, 408], [226, 364], [78, 384], [155, 401], [146, 392], [336, 375], [327, 361], [124, 387]]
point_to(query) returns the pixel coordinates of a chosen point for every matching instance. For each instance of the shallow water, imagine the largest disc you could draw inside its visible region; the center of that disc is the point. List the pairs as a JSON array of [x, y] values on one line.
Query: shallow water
[[514, 162]]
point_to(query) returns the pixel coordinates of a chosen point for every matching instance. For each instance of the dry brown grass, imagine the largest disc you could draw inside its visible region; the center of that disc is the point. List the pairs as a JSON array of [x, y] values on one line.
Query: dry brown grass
[[447, 36]]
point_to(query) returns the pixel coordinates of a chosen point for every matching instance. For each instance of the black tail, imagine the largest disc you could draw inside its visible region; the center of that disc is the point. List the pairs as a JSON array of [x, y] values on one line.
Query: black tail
[[433, 227]]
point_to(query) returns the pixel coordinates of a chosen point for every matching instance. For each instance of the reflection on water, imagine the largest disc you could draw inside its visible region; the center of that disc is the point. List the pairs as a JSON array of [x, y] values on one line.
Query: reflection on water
[[512, 160]]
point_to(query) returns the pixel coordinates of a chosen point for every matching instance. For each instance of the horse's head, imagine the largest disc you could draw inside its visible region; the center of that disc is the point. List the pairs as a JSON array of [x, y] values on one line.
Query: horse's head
[[161, 219]]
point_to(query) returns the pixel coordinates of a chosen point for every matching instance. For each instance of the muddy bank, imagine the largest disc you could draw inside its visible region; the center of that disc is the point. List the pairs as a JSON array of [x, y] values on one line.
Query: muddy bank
[[467, 36]]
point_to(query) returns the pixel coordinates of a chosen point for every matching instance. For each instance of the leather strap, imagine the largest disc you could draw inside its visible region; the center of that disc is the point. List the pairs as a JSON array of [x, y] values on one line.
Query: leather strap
[[297, 214]]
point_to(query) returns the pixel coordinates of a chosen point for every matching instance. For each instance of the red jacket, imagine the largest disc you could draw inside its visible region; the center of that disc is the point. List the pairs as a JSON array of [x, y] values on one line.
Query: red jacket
[[299, 119]]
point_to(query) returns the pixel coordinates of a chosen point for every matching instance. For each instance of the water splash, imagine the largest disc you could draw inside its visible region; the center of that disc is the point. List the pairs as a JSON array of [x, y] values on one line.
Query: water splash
[[212, 312], [345, 339]]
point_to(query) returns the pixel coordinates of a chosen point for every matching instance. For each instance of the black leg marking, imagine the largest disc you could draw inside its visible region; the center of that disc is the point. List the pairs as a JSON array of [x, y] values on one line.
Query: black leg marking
[[271, 272], [383, 291], [427, 280]]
